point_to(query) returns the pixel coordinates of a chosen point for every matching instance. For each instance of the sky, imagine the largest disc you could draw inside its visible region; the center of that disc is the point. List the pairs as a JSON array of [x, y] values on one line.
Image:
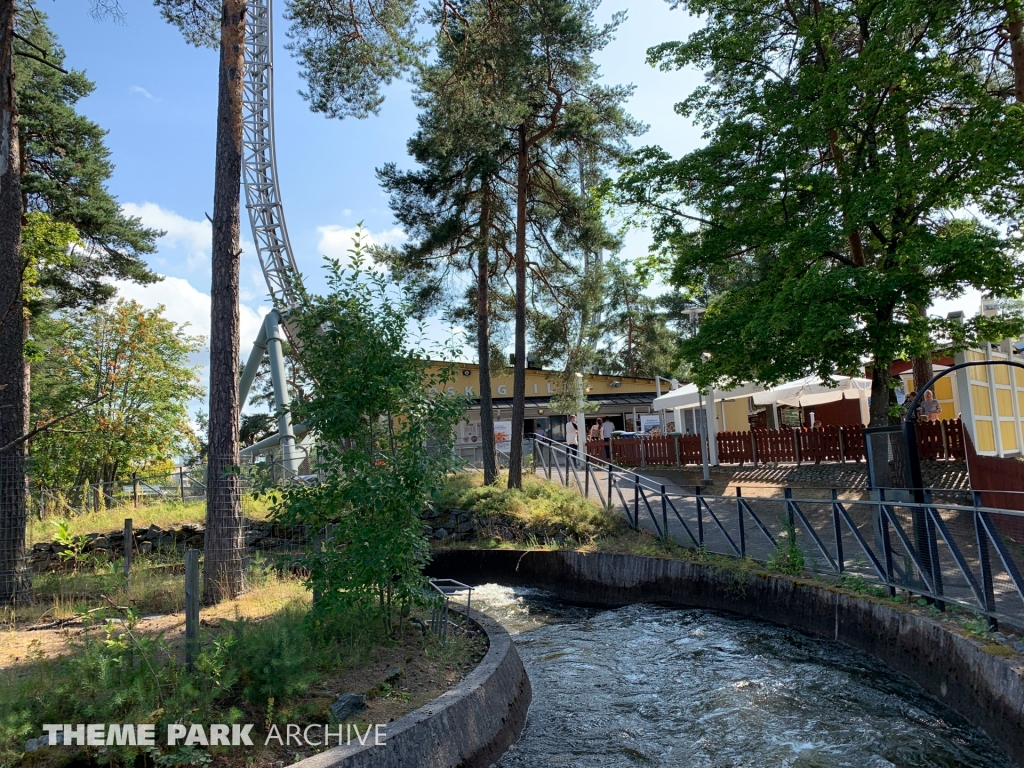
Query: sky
[[156, 95]]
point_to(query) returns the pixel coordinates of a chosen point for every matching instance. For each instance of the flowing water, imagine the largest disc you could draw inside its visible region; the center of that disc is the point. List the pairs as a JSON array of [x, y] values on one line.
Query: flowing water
[[646, 685]]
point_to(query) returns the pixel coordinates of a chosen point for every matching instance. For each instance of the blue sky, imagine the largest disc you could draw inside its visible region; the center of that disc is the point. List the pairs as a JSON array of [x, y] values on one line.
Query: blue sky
[[156, 95]]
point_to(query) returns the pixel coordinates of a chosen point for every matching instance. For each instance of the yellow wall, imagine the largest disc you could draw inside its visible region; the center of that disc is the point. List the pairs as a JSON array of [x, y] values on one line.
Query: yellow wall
[[539, 383], [736, 418]]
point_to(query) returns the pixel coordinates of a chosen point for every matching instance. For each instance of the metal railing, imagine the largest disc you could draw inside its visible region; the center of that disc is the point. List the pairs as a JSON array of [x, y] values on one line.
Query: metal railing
[[447, 589], [943, 552]]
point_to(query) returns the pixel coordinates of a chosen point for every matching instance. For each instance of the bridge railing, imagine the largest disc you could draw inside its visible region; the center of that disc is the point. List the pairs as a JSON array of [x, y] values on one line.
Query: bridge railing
[[950, 549]]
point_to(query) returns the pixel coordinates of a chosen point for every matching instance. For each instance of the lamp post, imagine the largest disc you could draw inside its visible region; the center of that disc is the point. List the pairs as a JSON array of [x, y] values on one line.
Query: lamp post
[[694, 313], [581, 419]]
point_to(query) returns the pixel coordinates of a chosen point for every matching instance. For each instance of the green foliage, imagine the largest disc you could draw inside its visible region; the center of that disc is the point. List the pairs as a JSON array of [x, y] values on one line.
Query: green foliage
[[66, 167], [788, 558], [140, 359], [73, 545], [858, 166], [122, 676], [386, 431], [540, 509]]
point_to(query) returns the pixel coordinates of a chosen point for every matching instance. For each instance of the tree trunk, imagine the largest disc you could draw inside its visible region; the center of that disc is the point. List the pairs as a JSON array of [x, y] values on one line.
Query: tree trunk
[[515, 462], [1015, 26], [14, 414], [483, 337], [223, 576]]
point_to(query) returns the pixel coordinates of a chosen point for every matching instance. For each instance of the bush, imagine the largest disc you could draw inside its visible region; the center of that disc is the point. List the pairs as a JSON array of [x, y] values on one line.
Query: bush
[[540, 509]]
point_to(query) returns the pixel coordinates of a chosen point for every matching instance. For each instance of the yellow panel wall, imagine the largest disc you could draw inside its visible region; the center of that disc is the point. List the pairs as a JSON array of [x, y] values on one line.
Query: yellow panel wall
[[985, 436], [1004, 401], [736, 415], [1002, 374], [948, 411], [944, 388], [1008, 431], [980, 403]]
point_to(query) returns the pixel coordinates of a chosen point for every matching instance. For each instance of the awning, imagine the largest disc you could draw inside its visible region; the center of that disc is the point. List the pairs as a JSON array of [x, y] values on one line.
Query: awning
[[687, 397], [813, 390]]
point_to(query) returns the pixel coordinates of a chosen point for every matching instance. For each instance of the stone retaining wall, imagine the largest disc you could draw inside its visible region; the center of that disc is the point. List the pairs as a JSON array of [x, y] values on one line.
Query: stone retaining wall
[[986, 689], [470, 726]]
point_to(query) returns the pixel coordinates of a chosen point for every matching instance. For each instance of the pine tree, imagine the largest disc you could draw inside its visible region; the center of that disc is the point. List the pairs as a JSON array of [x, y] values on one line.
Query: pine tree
[[205, 22]]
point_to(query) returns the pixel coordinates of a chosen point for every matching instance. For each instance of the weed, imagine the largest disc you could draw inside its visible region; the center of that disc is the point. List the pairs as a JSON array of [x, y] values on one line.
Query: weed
[[788, 557]]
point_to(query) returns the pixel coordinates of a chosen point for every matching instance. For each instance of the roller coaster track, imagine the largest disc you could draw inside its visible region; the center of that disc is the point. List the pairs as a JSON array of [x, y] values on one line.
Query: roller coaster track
[[269, 233], [259, 169]]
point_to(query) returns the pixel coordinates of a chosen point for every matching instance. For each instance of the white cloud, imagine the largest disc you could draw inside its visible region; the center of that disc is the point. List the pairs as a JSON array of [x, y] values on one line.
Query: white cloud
[[193, 238], [183, 303], [336, 241], [141, 91]]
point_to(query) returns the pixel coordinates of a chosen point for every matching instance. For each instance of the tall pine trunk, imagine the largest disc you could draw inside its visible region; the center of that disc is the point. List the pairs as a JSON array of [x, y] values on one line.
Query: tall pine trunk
[[922, 364], [223, 576], [1015, 28], [515, 461], [483, 336], [13, 329]]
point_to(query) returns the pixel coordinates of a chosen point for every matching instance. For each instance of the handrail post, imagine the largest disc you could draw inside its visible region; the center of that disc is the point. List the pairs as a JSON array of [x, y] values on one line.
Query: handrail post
[[883, 522], [739, 519], [586, 477], [987, 587], [700, 520], [933, 551], [636, 502], [837, 529], [135, 489], [842, 445], [548, 462], [608, 469], [181, 481], [664, 515], [675, 442], [643, 452]]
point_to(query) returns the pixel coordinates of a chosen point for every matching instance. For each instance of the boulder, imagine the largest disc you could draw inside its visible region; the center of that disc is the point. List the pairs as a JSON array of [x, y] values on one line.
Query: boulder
[[441, 533], [392, 674], [347, 705]]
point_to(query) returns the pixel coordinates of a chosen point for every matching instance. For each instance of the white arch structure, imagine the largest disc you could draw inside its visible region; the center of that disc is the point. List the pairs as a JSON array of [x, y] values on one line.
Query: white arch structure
[[269, 233]]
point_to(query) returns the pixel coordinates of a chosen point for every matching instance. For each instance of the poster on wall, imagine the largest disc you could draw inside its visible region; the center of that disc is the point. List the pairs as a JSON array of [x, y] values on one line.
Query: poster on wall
[[650, 424], [503, 435], [471, 432]]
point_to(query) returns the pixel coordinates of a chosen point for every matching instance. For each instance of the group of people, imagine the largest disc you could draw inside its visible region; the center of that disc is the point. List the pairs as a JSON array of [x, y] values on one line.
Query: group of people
[[929, 409]]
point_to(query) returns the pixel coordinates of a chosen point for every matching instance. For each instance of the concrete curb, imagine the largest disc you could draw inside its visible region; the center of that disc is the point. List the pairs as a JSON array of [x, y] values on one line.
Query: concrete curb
[[469, 726], [988, 690]]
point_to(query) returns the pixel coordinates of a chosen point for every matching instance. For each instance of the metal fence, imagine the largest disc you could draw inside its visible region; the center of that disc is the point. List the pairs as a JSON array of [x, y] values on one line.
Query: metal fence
[[948, 549]]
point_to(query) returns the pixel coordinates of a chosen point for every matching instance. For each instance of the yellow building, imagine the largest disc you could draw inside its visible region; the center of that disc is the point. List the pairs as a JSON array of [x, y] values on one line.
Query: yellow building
[[619, 399], [991, 400]]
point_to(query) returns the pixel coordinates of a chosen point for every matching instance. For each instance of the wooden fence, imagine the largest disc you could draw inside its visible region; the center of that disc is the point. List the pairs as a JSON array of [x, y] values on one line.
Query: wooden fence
[[937, 440]]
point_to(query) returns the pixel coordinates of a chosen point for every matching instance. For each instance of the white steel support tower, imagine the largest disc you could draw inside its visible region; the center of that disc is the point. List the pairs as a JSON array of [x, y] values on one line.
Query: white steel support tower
[[269, 233]]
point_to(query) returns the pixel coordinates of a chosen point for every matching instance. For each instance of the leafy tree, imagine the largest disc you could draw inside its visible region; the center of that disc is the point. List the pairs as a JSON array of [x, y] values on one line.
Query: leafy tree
[[845, 149], [528, 68], [376, 408], [66, 167], [137, 358], [73, 196], [637, 337]]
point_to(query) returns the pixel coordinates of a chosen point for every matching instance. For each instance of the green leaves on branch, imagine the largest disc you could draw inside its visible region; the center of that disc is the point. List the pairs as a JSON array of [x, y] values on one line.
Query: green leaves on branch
[[386, 433], [860, 165]]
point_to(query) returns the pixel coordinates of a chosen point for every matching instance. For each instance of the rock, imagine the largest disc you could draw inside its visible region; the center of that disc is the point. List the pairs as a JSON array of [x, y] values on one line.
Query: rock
[[347, 705], [146, 546], [392, 674], [33, 745], [427, 530], [101, 542], [465, 527], [440, 533], [1019, 646]]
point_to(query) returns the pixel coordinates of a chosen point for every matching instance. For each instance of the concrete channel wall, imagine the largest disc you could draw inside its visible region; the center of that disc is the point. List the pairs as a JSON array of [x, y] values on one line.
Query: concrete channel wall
[[469, 726], [988, 690]]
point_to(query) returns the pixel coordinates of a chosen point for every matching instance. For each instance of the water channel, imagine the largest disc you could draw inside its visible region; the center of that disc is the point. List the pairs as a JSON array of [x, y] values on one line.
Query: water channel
[[647, 685]]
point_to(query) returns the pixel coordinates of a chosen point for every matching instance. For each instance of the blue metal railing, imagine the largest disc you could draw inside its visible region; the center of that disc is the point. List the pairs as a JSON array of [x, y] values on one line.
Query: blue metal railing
[[874, 541]]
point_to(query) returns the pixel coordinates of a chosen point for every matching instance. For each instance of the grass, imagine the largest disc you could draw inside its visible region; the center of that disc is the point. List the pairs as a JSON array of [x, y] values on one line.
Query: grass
[[155, 586], [540, 512], [165, 514], [263, 660]]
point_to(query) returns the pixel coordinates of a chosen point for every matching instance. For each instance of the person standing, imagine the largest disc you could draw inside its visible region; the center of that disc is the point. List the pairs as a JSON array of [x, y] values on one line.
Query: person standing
[[572, 436], [606, 432], [930, 408]]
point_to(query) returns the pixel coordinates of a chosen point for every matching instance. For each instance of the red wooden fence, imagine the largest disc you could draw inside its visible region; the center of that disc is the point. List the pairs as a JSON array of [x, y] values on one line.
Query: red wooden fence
[[936, 440]]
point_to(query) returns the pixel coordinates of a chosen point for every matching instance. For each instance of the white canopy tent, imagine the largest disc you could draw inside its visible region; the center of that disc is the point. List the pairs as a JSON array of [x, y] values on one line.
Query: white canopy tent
[[687, 397], [813, 390]]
